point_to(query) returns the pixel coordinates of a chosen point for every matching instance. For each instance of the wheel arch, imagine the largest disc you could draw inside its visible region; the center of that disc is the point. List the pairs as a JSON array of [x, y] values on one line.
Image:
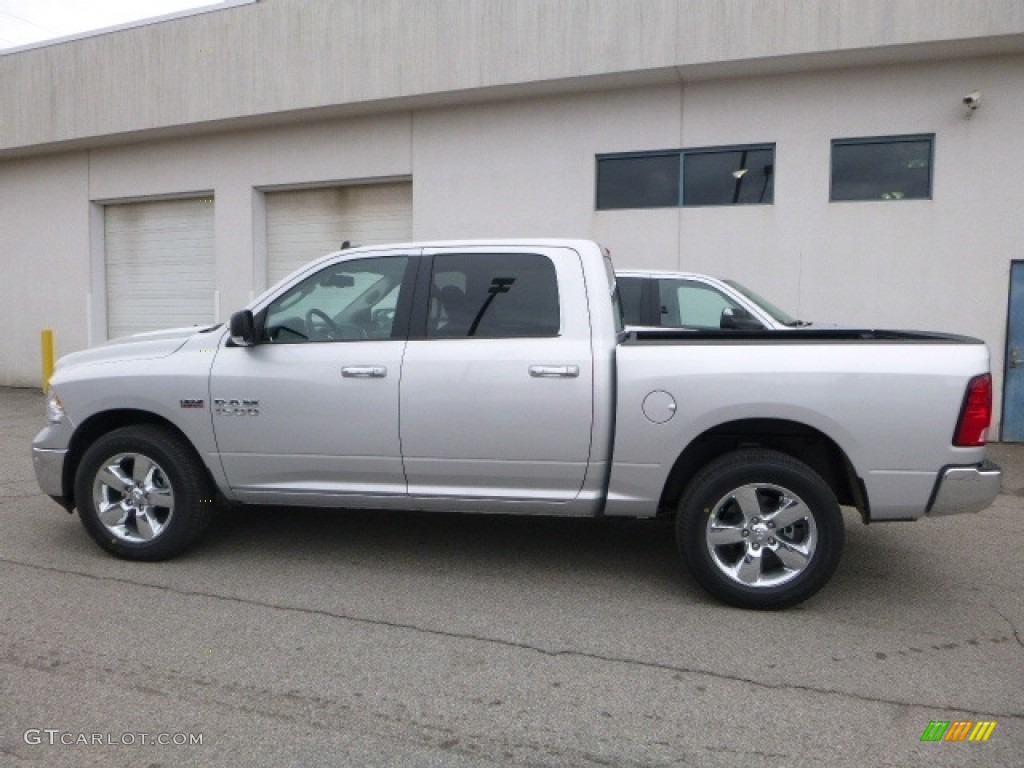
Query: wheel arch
[[804, 443], [102, 423]]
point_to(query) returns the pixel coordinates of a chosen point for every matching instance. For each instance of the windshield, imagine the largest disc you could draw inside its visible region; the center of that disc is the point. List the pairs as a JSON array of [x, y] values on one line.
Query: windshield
[[777, 314]]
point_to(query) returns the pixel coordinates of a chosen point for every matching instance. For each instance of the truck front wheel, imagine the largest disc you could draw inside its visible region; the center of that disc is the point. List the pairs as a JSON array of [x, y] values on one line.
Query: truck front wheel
[[142, 493], [759, 529]]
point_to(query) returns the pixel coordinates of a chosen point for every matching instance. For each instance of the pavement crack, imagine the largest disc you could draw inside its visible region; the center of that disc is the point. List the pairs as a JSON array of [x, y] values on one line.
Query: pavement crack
[[524, 646], [1013, 627]]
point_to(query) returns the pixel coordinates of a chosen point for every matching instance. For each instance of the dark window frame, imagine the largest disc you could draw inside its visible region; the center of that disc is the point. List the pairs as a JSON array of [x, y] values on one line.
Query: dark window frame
[[681, 156], [675, 154], [885, 141], [730, 150]]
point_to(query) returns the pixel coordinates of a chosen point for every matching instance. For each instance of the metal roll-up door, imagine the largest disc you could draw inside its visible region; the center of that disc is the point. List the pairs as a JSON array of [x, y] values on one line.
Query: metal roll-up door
[[159, 265], [303, 224]]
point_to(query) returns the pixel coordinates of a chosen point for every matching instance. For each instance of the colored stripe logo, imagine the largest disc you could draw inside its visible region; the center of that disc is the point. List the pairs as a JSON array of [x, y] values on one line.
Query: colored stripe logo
[[958, 730]]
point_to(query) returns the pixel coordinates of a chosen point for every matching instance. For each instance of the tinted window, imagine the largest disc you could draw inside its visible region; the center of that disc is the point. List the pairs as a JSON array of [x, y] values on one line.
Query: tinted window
[[780, 315], [729, 177], [486, 295], [631, 290], [349, 301], [720, 176], [639, 181], [895, 168]]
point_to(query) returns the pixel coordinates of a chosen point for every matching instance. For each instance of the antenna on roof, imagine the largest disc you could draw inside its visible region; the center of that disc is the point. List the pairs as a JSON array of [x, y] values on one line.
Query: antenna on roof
[[346, 245]]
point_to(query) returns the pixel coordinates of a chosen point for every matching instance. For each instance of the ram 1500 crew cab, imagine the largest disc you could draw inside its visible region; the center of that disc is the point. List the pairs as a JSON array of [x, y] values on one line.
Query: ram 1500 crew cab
[[495, 376]]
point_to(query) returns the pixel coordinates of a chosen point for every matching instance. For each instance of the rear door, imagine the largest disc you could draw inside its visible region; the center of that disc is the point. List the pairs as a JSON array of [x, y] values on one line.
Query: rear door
[[497, 385]]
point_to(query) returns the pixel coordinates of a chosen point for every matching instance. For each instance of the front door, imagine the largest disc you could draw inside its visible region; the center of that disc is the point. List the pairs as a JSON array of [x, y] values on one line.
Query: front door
[[1013, 381], [312, 410]]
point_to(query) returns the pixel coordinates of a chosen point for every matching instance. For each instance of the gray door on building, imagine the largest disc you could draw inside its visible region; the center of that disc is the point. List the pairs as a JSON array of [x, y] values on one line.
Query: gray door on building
[[1013, 381]]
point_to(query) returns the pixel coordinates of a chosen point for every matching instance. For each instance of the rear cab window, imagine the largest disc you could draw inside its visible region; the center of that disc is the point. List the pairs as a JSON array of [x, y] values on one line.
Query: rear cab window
[[493, 295]]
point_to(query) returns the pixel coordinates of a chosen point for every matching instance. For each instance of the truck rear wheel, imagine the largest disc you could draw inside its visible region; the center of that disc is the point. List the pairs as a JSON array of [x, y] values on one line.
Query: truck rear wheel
[[759, 529], [142, 493]]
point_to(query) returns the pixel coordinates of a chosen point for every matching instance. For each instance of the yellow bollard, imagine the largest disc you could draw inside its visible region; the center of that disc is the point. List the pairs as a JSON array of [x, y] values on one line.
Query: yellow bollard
[[47, 342]]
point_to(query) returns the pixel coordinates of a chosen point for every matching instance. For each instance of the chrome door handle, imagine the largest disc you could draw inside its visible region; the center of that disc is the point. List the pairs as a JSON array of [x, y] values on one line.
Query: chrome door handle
[[1015, 358], [554, 371], [364, 372]]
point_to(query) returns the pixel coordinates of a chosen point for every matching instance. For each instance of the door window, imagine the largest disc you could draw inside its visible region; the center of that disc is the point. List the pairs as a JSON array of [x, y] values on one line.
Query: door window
[[690, 304], [485, 295], [348, 301], [631, 297]]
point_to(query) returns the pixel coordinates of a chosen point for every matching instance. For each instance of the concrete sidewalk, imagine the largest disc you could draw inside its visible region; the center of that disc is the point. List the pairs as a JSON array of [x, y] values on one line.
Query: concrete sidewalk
[[22, 412]]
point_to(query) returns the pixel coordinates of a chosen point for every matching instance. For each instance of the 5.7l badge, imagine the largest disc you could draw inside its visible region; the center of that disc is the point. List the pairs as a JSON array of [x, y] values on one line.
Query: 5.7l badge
[[236, 407]]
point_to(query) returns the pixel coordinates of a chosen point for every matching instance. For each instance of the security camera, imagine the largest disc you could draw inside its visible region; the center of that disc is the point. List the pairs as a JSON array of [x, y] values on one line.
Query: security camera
[[972, 99]]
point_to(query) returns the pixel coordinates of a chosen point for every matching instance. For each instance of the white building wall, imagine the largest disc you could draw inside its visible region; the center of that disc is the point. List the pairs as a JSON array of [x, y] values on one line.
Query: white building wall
[[238, 166], [527, 167], [268, 59], [890, 263], [44, 260]]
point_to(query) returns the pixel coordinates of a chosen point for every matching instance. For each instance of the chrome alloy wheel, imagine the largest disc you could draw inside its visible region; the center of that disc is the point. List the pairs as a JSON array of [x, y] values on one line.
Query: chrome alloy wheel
[[132, 497], [761, 535]]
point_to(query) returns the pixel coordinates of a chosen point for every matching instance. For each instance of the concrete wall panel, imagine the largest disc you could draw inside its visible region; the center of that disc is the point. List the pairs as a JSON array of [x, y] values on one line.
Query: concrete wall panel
[[528, 167], [44, 261], [263, 60]]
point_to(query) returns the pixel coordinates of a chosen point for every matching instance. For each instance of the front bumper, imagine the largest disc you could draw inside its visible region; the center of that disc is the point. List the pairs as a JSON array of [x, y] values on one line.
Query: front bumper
[[49, 452], [965, 489], [49, 467]]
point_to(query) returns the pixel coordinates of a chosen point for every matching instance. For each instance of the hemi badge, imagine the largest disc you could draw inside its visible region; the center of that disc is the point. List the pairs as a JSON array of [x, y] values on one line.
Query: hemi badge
[[193, 403]]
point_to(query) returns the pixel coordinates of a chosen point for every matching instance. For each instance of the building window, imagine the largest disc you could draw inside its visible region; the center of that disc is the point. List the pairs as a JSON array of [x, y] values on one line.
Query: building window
[[638, 181], [686, 177], [739, 176], [883, 168]]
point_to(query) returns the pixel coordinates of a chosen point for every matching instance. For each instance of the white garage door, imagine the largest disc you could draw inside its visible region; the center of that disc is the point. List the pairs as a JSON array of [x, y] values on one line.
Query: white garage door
[[159, 265], [303, 224]]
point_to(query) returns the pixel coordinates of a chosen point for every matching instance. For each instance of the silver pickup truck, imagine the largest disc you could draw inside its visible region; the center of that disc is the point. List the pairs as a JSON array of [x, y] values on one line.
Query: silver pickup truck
[[495, 376]]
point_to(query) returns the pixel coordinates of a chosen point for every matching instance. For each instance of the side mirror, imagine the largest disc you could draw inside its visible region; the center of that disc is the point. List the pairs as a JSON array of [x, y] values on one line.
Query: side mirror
[[739, 319], [243, 328]]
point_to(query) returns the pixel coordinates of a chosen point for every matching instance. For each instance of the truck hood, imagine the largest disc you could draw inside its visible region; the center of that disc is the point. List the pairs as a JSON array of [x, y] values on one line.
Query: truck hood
[[141, 346]]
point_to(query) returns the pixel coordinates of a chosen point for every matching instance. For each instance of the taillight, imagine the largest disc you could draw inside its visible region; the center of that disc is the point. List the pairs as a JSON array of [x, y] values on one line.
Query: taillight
[[976, 414]]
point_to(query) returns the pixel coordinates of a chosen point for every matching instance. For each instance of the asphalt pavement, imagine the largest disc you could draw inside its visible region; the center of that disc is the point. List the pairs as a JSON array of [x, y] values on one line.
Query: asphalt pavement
[[317, 637]]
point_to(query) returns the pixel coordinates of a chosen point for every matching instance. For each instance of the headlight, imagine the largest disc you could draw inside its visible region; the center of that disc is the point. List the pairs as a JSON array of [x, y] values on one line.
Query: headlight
[[54, 409]]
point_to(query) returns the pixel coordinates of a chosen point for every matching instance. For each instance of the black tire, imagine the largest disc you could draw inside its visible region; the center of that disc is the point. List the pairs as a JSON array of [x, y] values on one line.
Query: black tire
[[142, 493], [730, 532]]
